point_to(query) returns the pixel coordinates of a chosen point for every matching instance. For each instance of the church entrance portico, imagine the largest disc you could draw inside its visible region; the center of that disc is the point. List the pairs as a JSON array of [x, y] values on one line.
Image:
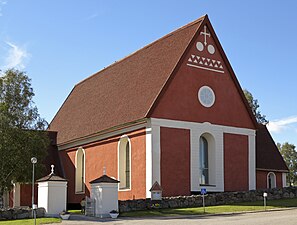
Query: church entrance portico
[[206, 166]]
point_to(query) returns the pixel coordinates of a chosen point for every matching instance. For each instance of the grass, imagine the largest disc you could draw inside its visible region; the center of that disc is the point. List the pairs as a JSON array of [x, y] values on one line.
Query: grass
[[75, 211], [31, 221], [237, 207]]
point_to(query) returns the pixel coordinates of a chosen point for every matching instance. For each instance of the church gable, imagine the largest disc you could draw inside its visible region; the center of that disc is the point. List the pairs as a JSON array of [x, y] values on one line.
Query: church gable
[[124, 91], [203, 87]]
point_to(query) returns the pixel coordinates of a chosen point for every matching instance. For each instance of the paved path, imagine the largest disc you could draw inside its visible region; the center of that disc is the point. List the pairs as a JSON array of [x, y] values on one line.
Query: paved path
[[287, 217]]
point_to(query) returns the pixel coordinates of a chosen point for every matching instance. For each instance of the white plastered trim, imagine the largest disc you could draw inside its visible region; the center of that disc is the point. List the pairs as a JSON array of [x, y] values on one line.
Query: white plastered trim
[[84, 153], [196, 130], [274, 184], [149, 160], [284, 179], [130, 160]]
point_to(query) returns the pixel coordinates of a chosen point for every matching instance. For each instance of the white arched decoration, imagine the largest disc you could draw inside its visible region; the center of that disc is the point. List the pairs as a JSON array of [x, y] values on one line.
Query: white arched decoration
[[124, 163], [80, 162], [207, 165], [271, 180]]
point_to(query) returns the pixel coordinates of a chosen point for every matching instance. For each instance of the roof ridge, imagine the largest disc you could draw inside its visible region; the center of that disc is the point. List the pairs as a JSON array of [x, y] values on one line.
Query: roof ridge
[[146, 46]]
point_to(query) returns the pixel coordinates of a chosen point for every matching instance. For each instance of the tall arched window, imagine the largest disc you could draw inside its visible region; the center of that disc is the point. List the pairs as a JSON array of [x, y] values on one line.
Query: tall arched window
[[124, 163], [203, 156], [271, 180], [80, 171]]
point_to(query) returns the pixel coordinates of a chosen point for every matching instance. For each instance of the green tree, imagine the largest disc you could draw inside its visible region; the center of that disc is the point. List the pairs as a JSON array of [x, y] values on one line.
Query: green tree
[[22, 134], [255, 107], [289, 154]]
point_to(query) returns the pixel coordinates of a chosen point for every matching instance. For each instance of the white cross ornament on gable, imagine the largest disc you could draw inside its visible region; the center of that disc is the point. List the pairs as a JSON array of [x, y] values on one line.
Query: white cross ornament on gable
[[205, 35], [52, 170]]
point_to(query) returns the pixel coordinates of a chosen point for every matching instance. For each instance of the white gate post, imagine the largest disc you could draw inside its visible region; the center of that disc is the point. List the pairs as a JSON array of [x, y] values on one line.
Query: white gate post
[[105, 192], [52, 193]]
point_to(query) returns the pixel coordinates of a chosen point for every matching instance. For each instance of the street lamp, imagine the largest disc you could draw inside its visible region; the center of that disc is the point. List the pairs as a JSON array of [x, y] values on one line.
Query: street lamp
[[33, 161]]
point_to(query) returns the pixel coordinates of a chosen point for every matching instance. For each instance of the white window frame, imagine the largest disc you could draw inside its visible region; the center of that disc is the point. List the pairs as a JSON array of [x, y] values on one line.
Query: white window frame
[[273, 185], [125, 139], [82, 184], [212, 182]]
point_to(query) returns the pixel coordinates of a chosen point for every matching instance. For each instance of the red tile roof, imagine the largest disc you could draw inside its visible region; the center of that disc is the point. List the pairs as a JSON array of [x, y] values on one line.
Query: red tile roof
[[51, 177], [104, 179], [123, 92], [268, 156], [156, 187]]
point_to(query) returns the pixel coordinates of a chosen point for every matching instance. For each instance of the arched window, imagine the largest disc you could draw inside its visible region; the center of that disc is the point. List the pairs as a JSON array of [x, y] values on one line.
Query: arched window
[[80, 171], [271, 180], [124, 153], [203, 156]]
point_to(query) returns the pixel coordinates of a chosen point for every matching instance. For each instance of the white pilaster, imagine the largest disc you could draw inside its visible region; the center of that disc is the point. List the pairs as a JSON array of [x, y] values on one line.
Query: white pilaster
[[153, 156], [252, 162], [156, 154], [194, 136], [149, 164], [284, 179], [16, 195]]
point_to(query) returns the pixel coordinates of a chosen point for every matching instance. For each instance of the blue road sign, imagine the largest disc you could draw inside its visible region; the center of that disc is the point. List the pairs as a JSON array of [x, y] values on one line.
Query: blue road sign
[[203, 191]]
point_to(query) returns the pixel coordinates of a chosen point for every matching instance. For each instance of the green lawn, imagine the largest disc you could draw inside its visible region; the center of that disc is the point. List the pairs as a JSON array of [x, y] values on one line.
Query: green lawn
[[239, 207], [75, 211], [31, 221]]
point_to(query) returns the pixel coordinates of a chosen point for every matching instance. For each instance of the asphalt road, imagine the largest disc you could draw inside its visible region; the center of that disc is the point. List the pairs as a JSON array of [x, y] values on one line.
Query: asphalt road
[[287, 217]]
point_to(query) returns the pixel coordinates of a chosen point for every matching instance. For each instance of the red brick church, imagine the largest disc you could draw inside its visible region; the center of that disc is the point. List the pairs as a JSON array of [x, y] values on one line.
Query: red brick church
[[172, 112]]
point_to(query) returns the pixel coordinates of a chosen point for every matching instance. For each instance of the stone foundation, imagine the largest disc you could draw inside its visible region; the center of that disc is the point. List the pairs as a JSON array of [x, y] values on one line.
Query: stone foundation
[[20, 213], [210, 199]]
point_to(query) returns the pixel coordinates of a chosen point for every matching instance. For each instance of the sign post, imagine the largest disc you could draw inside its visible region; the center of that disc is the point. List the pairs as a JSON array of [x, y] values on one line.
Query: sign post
[[265, 196], [203, 192]]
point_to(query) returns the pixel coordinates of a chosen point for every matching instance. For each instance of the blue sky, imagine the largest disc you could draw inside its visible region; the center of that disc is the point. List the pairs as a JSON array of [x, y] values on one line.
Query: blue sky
[[61, 42]]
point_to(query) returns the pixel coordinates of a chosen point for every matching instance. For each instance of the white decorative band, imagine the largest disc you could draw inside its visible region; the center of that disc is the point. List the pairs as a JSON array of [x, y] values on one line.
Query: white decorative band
[[219, 71]]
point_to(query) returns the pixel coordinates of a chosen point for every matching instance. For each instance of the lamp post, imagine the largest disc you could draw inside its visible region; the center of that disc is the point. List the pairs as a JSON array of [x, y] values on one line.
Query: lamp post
[[33, 161]]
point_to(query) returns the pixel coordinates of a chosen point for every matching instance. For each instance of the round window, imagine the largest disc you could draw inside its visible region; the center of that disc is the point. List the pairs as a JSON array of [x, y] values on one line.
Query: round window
[[206, 96]]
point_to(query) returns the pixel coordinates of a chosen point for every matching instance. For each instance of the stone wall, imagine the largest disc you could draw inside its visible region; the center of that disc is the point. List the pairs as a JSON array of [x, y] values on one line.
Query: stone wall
[[210, 199], [20, 213]]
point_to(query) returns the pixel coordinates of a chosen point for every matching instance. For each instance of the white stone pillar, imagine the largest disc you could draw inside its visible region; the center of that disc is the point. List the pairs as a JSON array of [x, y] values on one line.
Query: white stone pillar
[[52, 194], [104, 191]]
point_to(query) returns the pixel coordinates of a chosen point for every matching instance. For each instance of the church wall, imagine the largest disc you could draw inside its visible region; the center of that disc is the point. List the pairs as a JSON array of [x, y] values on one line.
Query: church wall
[[175, 161], [11, 199], [138, 167], [262, 179], [179, 101], [279, 180], [104, 154], [67, 158], [26, 194], [236, 162]]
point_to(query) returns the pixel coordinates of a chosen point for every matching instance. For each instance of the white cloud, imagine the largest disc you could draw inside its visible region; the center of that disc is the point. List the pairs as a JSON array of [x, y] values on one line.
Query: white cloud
[[2, 3], [17, 57], [277, 126], [91, 17]]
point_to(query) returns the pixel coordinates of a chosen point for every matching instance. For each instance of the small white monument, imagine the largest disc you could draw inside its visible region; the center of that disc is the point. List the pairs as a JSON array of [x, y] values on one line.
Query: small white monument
[[104, 191], [156, 191], [52, 193]]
